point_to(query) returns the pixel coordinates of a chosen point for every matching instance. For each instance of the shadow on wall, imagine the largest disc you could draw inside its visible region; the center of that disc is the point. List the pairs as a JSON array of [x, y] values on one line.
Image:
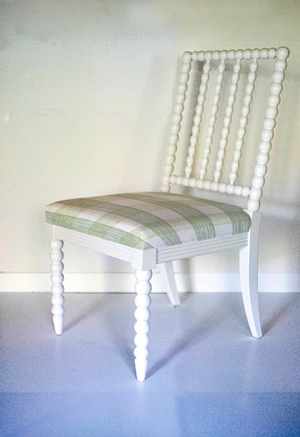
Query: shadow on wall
[[47, 20], [155, 110]]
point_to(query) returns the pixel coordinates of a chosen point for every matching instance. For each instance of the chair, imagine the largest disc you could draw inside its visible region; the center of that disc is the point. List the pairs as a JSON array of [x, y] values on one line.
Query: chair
[[147, 229]]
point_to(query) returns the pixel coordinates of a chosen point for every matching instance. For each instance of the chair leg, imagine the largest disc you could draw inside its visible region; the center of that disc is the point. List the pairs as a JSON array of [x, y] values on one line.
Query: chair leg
[[169, 278], [249, 278], [56, 256], [141, 327]]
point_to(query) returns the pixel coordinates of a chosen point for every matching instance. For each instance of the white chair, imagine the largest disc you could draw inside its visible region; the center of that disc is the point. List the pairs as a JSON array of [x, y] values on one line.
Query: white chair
[[147, 229]]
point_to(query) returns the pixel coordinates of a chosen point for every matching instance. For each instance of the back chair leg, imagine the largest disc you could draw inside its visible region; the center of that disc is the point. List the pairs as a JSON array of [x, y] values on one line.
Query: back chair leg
[[56, 256], [141, 327], [249, 277], [169, 278]]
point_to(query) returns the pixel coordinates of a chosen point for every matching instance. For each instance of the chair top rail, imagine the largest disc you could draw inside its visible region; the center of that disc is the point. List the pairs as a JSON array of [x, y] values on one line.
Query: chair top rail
[[255, 191]]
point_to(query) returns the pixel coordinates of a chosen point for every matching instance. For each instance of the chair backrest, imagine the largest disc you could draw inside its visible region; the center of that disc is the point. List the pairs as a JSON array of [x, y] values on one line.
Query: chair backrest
[[217, 74]]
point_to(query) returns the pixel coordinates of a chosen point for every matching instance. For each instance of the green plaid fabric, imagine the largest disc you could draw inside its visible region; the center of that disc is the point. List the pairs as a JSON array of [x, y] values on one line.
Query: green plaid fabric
[[149, 220]]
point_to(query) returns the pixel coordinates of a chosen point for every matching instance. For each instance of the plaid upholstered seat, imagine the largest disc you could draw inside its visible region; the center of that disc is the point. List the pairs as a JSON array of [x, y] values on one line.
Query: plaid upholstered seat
[[149, 220]]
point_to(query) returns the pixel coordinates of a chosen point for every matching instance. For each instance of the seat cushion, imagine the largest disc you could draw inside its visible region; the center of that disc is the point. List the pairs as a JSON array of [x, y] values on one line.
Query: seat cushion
[[149, 220]]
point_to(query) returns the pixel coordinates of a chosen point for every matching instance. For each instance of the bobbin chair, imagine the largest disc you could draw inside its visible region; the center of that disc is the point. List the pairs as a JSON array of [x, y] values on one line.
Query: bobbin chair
[[147, 229]]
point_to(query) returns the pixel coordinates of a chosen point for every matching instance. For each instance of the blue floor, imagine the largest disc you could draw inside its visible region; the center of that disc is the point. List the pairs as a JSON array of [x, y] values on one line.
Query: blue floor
[[206, 377]]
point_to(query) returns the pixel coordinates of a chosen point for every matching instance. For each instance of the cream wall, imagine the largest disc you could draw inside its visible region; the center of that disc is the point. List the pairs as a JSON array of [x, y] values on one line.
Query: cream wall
[[86, 90]]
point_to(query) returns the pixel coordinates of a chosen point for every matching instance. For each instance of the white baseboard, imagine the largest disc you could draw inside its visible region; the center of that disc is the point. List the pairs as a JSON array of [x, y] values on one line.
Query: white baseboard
[[124, 282]]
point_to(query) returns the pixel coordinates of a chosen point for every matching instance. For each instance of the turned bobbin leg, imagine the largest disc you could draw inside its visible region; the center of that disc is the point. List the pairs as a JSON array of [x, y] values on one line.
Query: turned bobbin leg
[[56, 256], [141, 327]]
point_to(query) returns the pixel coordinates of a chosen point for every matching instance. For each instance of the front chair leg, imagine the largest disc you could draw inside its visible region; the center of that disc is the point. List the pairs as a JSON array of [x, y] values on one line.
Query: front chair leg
[[56, 256], [141, 327]]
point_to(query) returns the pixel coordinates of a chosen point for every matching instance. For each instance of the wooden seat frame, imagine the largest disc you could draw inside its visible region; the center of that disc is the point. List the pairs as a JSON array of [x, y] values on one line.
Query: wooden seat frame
[[247, 243]]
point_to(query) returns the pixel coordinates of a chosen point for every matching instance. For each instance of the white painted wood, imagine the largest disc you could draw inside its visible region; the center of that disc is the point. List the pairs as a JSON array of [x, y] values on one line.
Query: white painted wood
[[254, 192], [141, 327], [208, 185], [268, 132], [103, 246], [56, 256], [226, 123], [188, 250], [169, 278], [249, 277], [197, 118], [143, 259], [212, 118], [243, 123]]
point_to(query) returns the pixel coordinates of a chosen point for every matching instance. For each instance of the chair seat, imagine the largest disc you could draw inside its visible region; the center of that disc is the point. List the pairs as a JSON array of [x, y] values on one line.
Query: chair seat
[[149, 220]]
